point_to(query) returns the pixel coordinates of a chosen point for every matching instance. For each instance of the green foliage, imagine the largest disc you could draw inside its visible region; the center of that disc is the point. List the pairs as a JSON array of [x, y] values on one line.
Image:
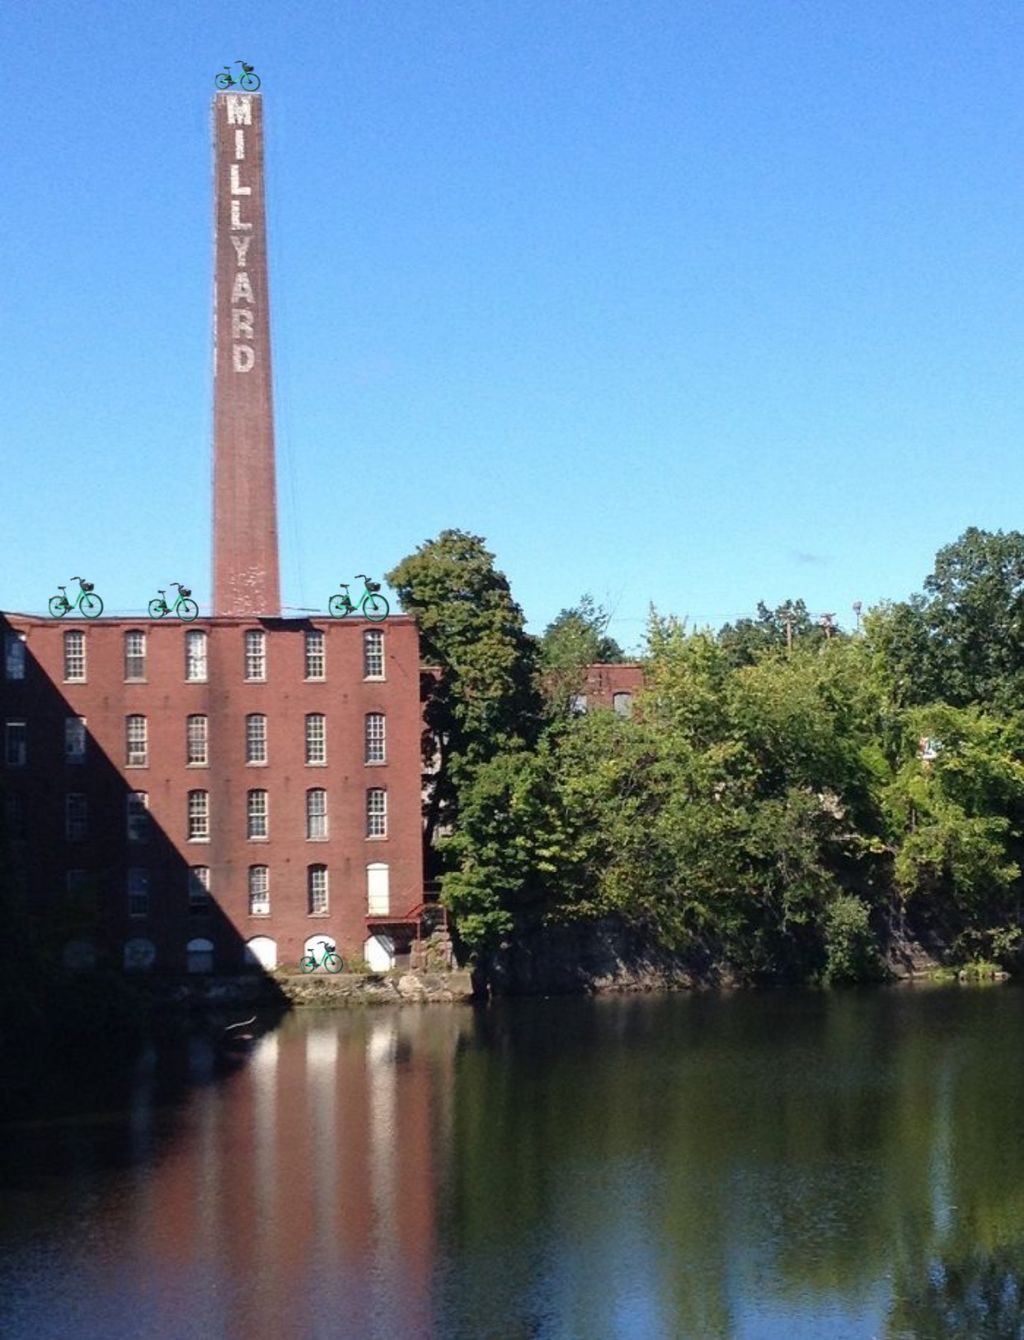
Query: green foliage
[[575, 639], [850, 951]]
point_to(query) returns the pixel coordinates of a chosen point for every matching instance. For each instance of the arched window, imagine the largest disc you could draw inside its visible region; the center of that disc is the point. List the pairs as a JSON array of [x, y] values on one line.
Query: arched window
[[316, 815], [74, 657], [135, 654], [373, 654], [195, 655], [199, 955], [317, 890], [259, 891], [375, 747], [136, 741], [316, 738], [255, 738], [378, 892], [258, 818], [139, 954]]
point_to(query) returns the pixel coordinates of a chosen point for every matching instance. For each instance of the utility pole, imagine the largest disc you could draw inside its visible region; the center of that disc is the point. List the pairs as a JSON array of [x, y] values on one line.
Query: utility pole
[[826, 622], [787, 619]]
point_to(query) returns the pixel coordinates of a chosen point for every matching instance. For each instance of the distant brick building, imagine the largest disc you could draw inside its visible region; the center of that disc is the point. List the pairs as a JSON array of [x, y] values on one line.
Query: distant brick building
[[243, 786], [611, 685]]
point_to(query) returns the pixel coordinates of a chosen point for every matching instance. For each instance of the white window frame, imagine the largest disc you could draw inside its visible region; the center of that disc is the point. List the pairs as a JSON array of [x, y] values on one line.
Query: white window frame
[[195, 656], [74, 657], [257, 815], [199, 888], [315, 648], [318, 891], [255, 655], [259, 890], [136, 741], [138, 892], [16, 743], [198, 816], [76, 816], [376, 813], [316, 744], [316, 814], [14, 656], [375, 742], [197, 733], [74, 735], [373, 637], [256, 740], [136, 816], [138, 656], [378, 889]]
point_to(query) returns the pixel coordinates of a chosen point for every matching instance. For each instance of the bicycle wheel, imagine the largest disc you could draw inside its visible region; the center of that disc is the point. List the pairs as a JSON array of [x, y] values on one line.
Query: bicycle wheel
[[338, 606], [187, 609], [91, 605], [223, 81], [376, 608], [58, 607], [157, 608], [307, 963], [332, 962], [250, 82]]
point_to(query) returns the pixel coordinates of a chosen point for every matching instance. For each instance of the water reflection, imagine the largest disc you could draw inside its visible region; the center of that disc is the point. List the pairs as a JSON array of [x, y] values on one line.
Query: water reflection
[[759, 1166]]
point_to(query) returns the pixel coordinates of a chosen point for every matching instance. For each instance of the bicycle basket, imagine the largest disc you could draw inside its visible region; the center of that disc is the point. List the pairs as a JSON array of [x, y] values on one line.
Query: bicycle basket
[[87, 586], [185, 591], [373, 586]]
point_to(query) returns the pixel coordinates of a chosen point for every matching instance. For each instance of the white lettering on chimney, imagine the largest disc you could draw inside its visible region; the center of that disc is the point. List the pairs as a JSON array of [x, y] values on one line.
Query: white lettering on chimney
[[239, 143], [241, 290], [236, 215], [239, 110], [236, 186]]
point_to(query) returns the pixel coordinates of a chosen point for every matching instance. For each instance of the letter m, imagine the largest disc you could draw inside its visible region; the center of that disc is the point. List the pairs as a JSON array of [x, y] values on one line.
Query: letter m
[[239, 110]]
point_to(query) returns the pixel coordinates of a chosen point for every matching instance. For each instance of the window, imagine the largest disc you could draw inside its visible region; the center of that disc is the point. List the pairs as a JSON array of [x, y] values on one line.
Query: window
[[14, 655], [74, 657], [257, 815], [378, 894], [255, 654], [136, 742], [199, 888], [15, 744], [316, 738], [199, 955], [316, 815], [373, 654], [259, 891], [317, 890], [578, 704], [198, 816], [138, 893], [623, 704], [76, 817], [315, 664], [74, 739], [75, 881], [135, 655], [195, 741], [376, 812], [195, 655], [374, 737], [137, 816], [16, 816], [255, 738]]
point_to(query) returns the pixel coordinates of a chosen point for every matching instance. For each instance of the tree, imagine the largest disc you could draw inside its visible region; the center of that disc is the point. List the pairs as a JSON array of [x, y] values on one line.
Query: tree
[[573, 640], [482, 695], [746, 640]]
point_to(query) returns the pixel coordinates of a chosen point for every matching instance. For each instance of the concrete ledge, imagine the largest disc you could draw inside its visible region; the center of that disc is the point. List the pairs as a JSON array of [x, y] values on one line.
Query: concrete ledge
[[352, 988]]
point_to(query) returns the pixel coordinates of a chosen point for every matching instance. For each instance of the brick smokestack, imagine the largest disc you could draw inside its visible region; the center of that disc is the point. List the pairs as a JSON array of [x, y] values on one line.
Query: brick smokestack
[[245, 560]]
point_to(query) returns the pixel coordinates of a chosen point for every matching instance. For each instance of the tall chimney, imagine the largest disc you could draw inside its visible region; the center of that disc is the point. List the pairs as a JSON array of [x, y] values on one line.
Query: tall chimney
[[245, 561]]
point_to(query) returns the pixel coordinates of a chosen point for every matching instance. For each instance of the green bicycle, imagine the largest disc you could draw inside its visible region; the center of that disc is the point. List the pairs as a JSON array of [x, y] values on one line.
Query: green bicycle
[[331, 960], [373, 605], [184, 608], [88, 602], [249, 80]]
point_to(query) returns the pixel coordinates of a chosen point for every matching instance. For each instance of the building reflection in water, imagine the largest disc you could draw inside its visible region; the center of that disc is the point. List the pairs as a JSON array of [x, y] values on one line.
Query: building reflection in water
[[303, 1187]]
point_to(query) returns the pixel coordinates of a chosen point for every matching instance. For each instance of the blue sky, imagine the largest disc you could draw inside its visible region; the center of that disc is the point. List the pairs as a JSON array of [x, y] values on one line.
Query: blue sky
[[697, 303]]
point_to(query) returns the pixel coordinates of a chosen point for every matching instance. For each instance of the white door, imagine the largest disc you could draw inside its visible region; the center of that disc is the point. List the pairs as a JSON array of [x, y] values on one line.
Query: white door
[[379, 952], [378, 893], [262, 951]]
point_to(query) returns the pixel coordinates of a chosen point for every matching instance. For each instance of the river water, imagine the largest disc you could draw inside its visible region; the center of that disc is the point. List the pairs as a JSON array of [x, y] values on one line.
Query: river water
[[762, 1165]]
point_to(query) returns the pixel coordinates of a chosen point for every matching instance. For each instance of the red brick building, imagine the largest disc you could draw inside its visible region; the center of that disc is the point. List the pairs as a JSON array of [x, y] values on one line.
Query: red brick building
[[611, 684], [231, 785], [192, 795]]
